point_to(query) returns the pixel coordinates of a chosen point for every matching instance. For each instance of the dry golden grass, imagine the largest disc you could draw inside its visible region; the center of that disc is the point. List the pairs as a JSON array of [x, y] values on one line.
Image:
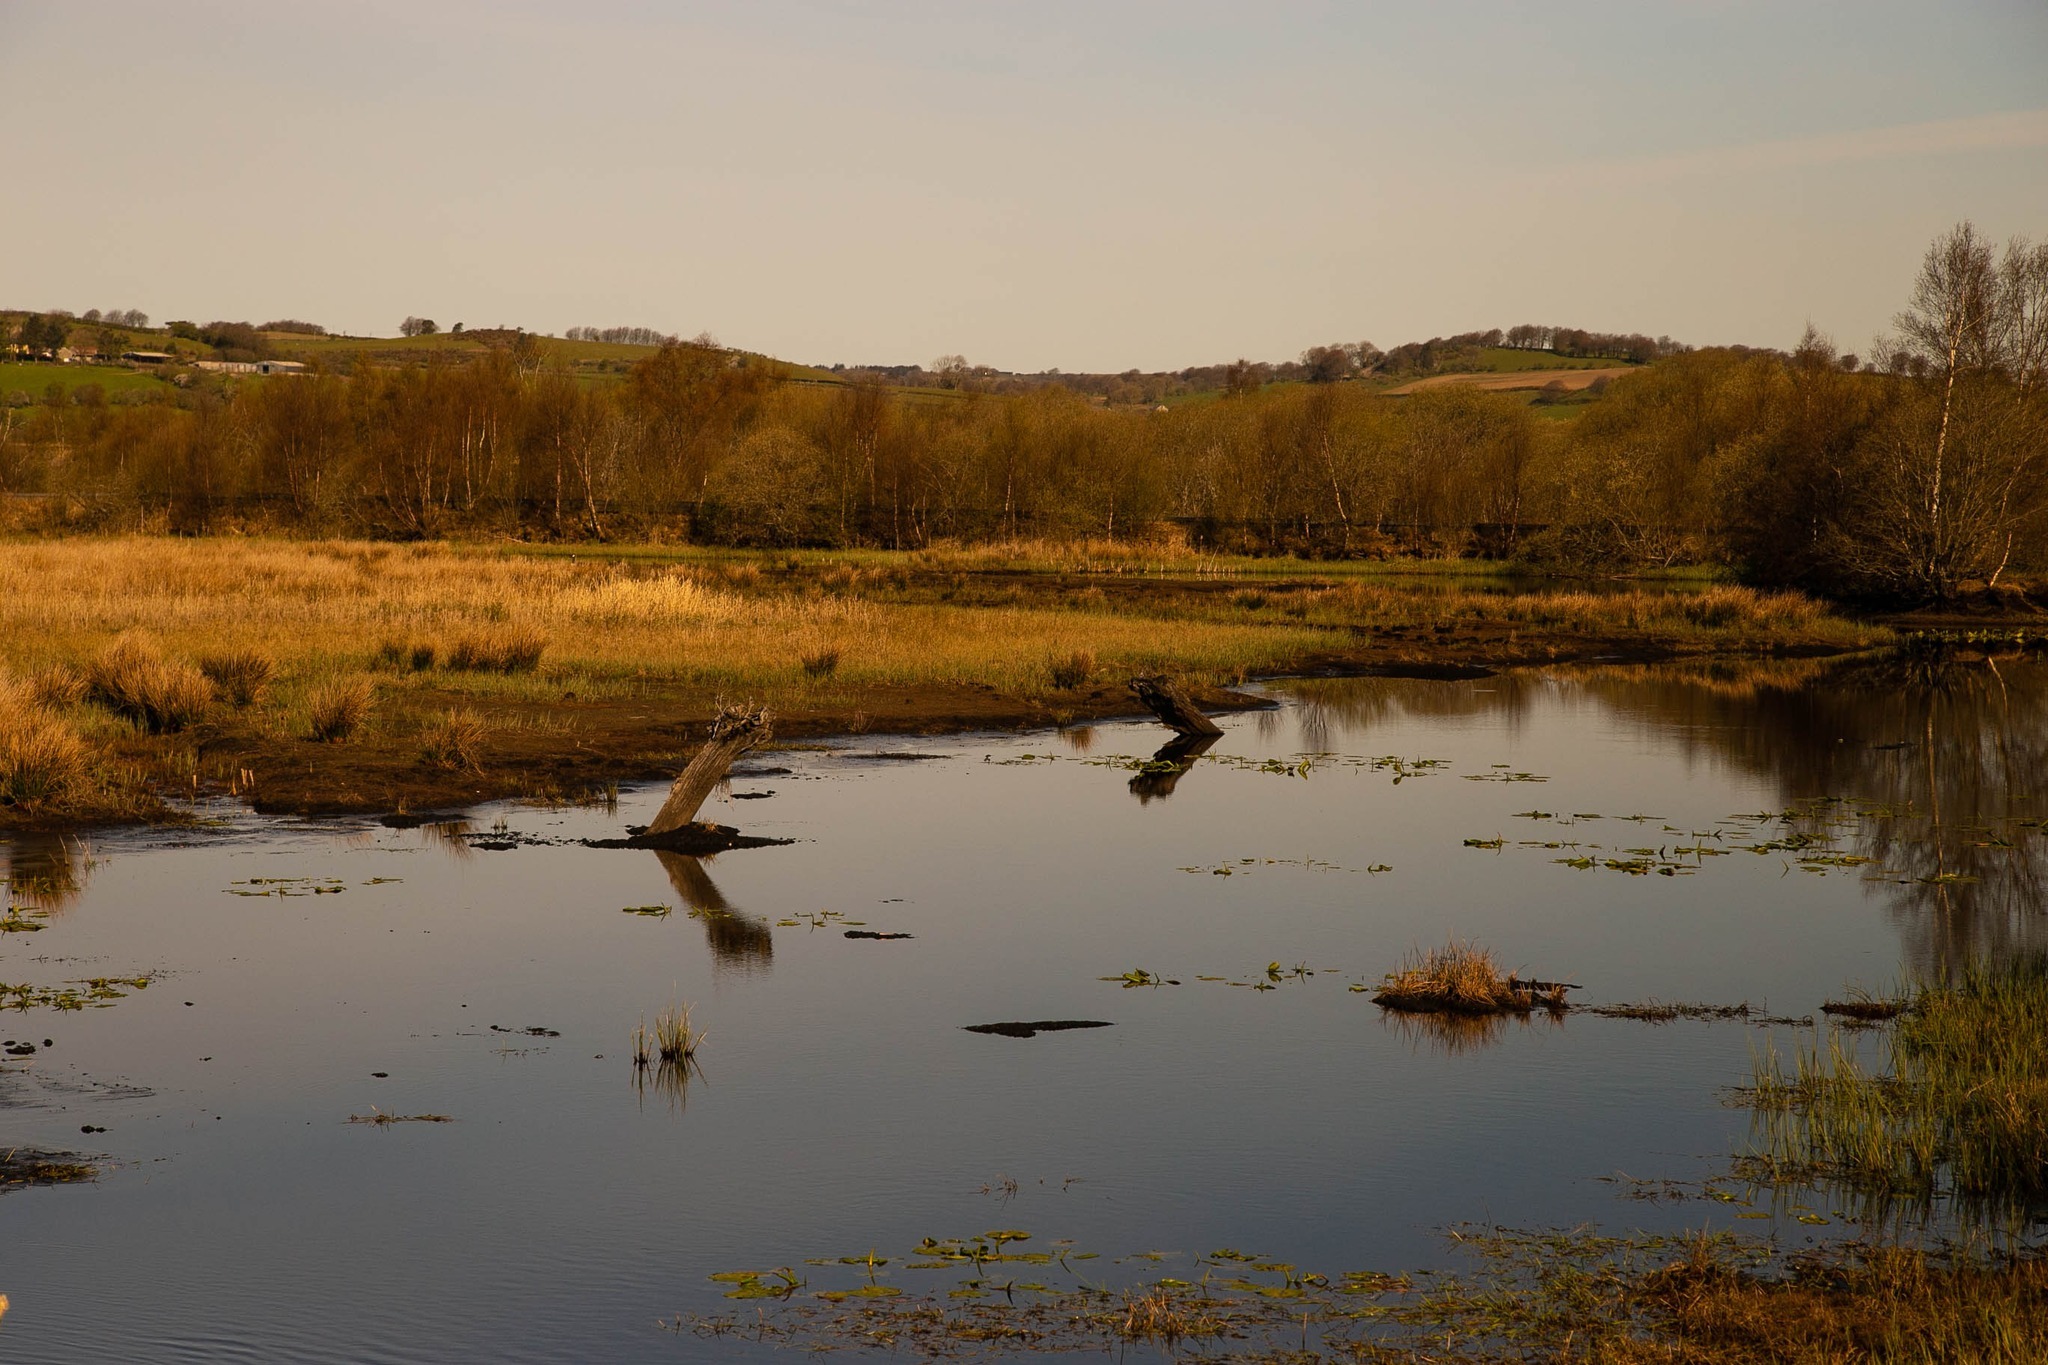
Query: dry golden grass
[[43, 763], [1462, 978], [323, 607], [134, 678], [241, 676], [337, 708], [455, 739]]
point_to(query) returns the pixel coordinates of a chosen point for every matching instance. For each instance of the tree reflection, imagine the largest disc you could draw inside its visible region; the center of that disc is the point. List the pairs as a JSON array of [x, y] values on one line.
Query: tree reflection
[[1177, 756], [737, 939]]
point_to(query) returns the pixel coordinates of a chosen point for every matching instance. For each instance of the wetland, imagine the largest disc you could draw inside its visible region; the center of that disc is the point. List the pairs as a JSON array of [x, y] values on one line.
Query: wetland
[[1062, 1038]]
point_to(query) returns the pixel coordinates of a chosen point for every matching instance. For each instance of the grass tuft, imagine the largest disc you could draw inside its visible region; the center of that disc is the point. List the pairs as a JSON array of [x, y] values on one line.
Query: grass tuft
[[513, 650], [673, 1041], [43, 763], [455, 739], [1072, 670], [821, 663], [133, 678], [1462, 978], [337, 708], [241, 676]]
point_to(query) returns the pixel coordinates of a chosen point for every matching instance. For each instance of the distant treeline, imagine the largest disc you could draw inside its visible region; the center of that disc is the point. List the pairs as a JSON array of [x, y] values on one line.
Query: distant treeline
[[1905, 480]]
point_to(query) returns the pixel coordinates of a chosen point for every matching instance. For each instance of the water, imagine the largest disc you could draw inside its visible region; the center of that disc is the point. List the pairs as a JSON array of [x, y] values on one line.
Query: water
[[841, 1106]]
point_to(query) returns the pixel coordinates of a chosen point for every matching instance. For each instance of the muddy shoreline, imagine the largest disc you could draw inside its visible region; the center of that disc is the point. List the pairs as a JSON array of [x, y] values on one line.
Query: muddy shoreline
[[577, 749]]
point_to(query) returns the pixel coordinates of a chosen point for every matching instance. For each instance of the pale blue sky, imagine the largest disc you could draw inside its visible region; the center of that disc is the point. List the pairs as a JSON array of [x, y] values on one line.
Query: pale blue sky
[[1090, 186]]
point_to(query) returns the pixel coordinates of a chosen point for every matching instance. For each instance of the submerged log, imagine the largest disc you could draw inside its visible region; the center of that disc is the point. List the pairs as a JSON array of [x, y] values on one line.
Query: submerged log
[[736, 730], [1164, 698]]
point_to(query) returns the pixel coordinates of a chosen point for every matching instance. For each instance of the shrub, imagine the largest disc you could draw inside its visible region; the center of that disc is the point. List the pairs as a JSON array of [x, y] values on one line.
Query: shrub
[[241, 675], [455, 740], [135, 680], [513, 650], [1072, 671], [337, 707], [821, 663]]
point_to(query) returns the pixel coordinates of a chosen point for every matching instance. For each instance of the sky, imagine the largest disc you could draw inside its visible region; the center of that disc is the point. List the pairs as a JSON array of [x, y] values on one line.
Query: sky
[[1093, 185]]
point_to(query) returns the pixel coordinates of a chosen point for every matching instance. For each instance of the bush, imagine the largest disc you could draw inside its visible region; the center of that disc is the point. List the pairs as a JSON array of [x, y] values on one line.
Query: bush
[[241, 675], [135, 680], [338, 707]]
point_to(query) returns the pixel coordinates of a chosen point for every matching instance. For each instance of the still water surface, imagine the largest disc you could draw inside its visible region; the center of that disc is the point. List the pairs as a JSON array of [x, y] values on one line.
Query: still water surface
[[841, 1105]]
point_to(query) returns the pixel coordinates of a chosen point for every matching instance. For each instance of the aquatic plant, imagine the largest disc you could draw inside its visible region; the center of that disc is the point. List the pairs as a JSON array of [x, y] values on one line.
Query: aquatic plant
[[336, 708], [1955, 1115], [1462, 978], [674, 1038]]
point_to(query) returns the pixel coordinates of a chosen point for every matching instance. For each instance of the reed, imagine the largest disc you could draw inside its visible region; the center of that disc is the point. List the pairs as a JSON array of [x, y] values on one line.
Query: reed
[[1954, 1115]]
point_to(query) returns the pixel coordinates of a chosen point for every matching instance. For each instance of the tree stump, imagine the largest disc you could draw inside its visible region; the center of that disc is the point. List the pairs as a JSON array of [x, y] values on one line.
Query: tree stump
[[736, 730], [1164, 698]]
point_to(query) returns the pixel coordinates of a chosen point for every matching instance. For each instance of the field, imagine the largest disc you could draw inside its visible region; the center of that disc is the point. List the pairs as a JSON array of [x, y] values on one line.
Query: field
[[33, 380], [1534, 377], [630, 654]]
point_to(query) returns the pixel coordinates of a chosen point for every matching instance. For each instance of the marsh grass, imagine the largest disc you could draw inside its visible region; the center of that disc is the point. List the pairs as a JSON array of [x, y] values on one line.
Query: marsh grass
[[337, 707], [1462, 978], [821, 663], [515, 649], [455, 739], [1955, 1114], [1071, 670], [135, 679], [57, 687], [43, 762], [240, 676]]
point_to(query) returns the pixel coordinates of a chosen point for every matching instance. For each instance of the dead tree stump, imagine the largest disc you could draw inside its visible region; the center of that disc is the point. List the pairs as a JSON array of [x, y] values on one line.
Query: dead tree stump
[[1164, 698], [736, 730]]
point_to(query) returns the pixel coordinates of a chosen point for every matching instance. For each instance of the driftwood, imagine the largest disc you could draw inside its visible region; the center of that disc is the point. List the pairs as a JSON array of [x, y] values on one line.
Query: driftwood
[[1164, 698], [736, 730]]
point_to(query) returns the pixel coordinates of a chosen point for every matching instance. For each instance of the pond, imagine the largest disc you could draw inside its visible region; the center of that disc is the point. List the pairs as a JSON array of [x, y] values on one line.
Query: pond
[[1771, 836]]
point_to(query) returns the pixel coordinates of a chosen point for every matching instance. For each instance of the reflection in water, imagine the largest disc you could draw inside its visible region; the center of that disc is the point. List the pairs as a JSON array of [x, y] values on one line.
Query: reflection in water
[[1454, 1034], [1931, 768], [667, 1078], [46, 871], [737, 939], [450, 837], [1079, 738], [1156, 783]]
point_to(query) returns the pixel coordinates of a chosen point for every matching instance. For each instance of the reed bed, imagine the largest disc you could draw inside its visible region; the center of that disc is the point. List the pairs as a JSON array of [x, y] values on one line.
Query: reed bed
[[1954, 1115]]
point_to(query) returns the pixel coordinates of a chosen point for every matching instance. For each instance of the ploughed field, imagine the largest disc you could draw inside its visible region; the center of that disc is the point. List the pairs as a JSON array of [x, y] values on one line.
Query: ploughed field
[[365, 1089]]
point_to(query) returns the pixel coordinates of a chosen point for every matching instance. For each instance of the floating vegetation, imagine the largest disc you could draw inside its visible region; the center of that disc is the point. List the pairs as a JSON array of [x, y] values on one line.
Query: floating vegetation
[[818, 919], [650, 911], [1863, 1008], [96, 992], [1663, 1012], [870, 933], [1500, 773], [1138, 976], [1461, 978], [1954, 1119], [17, 922], [530, 1031], [22, 1167], [376, 1118], [1032, 1028], [1241, 866], [289, 886]]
